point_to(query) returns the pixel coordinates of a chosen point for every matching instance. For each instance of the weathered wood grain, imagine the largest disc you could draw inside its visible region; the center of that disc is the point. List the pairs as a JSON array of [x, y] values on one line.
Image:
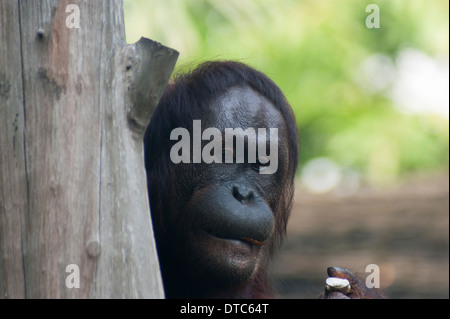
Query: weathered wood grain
[[72, 177], [13, 183]]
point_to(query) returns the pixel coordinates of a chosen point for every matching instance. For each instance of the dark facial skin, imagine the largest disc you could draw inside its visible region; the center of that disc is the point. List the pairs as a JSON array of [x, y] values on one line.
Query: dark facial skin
[[228, 220]]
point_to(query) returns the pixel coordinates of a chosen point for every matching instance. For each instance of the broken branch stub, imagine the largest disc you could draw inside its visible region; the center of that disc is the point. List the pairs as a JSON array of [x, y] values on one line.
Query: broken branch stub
[[149, 65]]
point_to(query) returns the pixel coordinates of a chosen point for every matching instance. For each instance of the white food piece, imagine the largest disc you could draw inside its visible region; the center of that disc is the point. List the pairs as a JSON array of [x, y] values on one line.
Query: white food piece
[[338, 284]]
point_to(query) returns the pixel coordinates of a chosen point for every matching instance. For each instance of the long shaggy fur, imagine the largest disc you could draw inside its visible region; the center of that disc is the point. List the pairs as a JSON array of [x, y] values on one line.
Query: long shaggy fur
[[188, 97]]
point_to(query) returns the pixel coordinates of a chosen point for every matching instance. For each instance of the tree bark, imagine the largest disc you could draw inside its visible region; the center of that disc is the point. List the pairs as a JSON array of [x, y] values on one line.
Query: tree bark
[[74, 105]]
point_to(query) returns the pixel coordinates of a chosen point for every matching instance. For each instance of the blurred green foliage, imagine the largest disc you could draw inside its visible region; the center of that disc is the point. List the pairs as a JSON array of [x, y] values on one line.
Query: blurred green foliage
[[314, 51]]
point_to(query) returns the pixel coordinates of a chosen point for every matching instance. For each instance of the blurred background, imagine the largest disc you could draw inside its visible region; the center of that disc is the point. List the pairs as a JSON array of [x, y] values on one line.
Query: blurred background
[[372, 107]]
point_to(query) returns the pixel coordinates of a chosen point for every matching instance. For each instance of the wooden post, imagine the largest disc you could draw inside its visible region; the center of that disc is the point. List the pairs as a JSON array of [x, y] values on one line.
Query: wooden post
[[74, 105]]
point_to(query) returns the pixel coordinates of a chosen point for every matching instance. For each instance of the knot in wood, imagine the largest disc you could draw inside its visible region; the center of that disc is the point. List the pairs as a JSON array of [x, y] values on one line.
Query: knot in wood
[[93, 249]]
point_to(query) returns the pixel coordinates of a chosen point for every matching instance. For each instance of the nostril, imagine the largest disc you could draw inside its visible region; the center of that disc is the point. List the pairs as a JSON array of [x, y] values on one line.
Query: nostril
[[236, 194], [242, 194]]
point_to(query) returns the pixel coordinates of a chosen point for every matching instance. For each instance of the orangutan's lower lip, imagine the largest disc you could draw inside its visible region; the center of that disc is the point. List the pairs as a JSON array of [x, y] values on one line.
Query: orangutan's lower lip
[[247, 240], [252, 241]]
